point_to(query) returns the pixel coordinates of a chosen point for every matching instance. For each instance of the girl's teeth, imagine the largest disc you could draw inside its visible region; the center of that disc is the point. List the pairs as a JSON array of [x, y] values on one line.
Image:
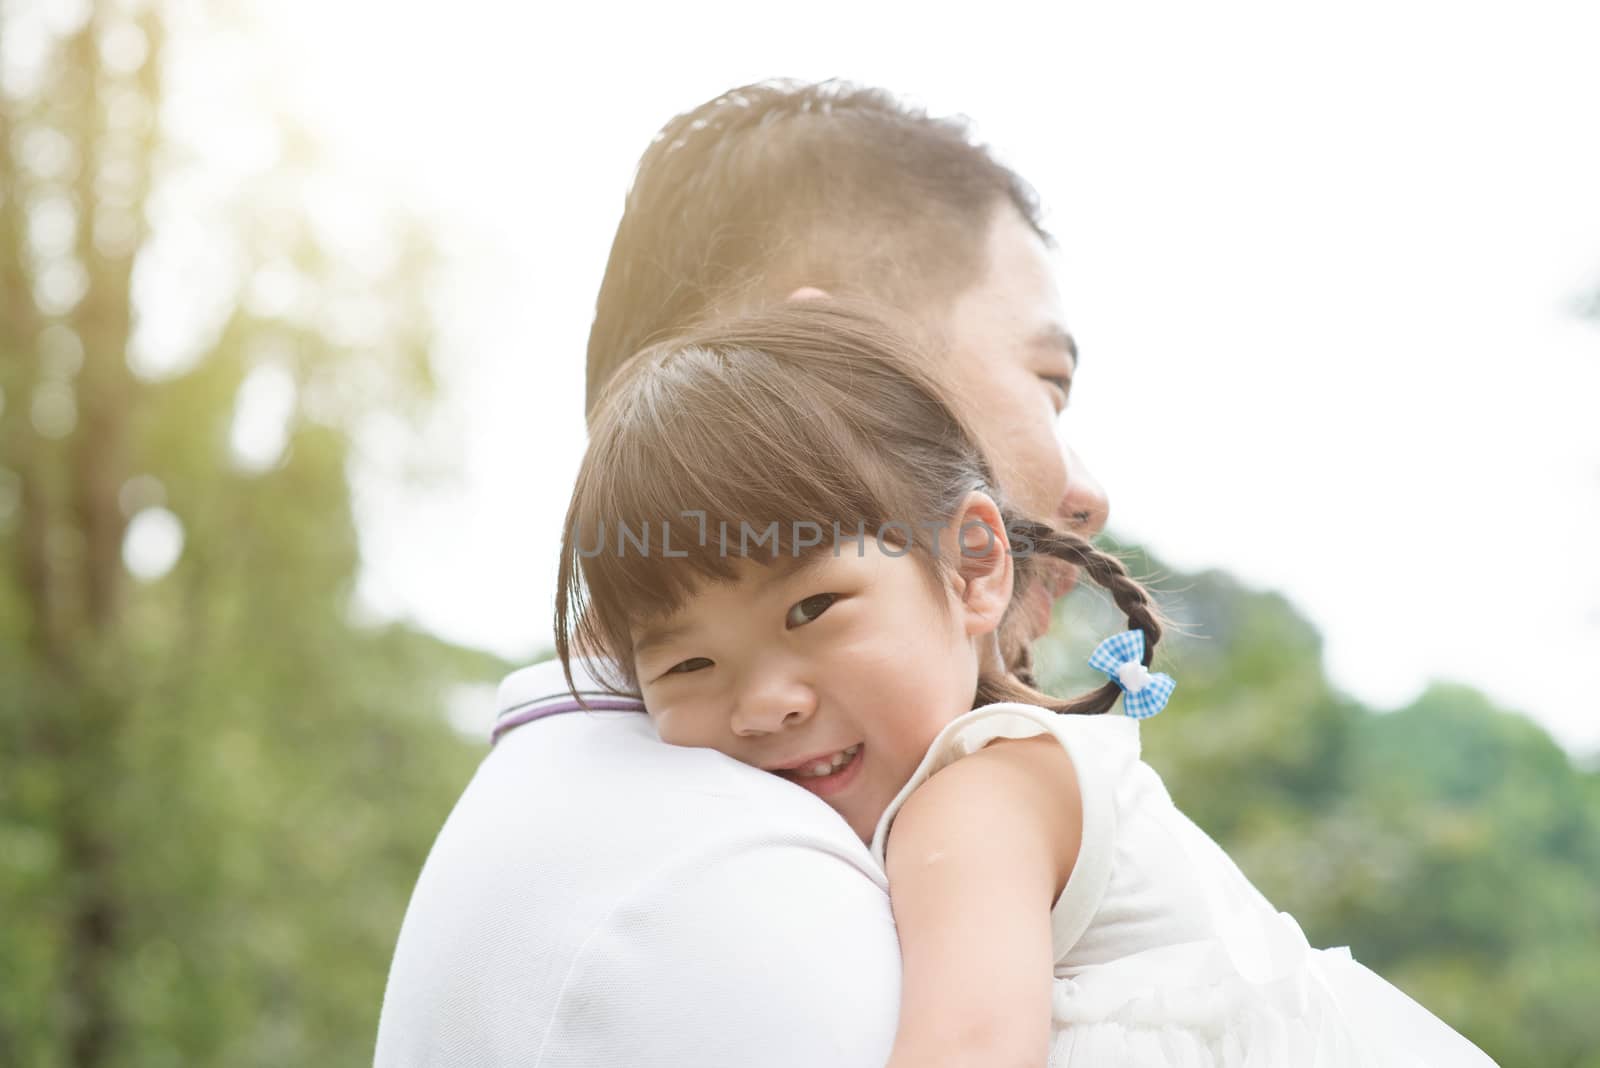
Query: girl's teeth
[[832, 764]]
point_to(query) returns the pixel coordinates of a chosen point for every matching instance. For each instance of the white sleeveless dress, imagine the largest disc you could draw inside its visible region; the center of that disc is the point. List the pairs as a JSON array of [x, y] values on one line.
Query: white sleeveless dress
[[1165, 954]]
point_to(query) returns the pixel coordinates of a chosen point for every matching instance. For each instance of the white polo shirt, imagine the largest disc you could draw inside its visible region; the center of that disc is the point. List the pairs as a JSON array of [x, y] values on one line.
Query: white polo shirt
[[598, 897]]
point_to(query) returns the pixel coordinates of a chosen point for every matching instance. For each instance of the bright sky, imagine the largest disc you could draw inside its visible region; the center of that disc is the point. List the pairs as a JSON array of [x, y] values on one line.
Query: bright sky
[[1324, 268]]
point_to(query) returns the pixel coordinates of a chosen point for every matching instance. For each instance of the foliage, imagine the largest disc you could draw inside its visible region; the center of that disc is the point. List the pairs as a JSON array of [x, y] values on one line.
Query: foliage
[[216, 785]]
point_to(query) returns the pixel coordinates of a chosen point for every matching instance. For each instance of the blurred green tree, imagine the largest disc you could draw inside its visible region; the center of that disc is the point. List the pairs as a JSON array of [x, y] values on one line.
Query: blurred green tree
[[216, 784]]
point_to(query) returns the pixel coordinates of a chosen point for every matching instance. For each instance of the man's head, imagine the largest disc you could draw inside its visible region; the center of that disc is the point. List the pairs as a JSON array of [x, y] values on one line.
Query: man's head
[[779, 188]]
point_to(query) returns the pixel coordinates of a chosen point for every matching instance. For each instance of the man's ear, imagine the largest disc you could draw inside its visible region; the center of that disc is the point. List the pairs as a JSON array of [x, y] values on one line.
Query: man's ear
[[808, 293], [982, 563]]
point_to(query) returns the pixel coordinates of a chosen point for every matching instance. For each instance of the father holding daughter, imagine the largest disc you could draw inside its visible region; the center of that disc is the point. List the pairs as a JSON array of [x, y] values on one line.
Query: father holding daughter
[[598, 897]]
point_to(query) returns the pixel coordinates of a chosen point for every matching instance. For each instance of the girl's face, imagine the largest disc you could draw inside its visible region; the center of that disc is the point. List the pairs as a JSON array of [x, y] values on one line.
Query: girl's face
[[844, 661]]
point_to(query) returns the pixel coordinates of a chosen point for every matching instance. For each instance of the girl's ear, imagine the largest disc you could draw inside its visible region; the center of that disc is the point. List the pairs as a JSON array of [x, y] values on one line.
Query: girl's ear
[[982, 566]]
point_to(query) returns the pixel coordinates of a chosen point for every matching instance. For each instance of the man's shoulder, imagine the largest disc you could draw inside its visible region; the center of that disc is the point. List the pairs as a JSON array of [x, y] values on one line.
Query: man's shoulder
[[584, 801], [541, 690], [587, 859], [546, 681], [609, 776]]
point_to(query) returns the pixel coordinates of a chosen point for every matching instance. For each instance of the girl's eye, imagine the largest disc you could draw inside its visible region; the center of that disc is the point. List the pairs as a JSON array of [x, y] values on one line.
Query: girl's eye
[[675, 669], [810, 608]]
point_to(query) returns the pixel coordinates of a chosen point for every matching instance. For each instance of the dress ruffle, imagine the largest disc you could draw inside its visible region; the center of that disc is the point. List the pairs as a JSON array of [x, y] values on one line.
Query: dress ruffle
[[1205, 1005]]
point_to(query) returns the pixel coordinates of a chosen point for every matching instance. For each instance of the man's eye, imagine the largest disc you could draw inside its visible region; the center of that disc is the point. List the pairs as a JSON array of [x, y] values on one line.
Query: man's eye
[[1063, 385], [810, 608], [676, 669]]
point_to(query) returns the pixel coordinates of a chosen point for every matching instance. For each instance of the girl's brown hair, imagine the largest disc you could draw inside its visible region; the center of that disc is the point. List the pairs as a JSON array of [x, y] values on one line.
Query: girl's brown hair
[[813, 416]]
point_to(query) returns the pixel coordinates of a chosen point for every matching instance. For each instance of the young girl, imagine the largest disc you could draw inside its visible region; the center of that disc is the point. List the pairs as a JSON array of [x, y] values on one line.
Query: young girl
[[785, 539]]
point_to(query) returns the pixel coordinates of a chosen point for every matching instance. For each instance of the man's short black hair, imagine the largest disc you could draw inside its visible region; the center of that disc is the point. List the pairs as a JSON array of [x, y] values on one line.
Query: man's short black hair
[[780, 184]]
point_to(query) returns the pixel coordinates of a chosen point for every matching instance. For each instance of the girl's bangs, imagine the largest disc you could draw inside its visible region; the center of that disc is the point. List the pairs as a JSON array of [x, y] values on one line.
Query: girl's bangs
[[666, 513]]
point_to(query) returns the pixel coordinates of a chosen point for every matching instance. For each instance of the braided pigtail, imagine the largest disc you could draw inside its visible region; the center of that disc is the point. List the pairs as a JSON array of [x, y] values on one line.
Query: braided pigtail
[[1030, 540]]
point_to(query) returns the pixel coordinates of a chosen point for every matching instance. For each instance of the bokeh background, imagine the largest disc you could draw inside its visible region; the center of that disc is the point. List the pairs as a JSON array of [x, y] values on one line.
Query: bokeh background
[[292, 306]]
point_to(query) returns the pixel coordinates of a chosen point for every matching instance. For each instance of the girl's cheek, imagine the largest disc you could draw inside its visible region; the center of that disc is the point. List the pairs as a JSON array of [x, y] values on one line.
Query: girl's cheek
[[684, 724], [669, 726]]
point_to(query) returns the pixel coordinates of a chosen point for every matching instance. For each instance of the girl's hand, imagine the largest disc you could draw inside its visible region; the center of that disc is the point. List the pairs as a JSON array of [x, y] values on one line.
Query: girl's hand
[[976, 858]]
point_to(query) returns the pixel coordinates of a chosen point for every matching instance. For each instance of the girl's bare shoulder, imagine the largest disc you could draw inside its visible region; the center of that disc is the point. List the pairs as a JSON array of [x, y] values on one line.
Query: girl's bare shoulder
[[1039, 763], [1011, 786]]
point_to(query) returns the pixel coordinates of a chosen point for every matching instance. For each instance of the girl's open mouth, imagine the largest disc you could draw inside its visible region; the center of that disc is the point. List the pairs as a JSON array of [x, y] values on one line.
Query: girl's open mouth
[[832, 782]]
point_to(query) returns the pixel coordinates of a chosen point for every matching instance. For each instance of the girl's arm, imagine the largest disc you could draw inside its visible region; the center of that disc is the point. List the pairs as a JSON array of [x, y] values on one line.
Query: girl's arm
[[976, 858]]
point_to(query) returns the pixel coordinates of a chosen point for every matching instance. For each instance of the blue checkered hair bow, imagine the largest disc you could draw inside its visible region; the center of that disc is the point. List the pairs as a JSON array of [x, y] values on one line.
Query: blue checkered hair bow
[[1121, 657]]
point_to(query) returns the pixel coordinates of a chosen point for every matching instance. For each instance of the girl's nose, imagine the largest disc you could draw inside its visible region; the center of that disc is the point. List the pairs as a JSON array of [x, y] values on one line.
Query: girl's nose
[[773, 704]]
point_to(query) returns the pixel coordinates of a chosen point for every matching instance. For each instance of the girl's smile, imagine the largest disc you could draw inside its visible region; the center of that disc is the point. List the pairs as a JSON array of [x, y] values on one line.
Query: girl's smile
[[827, 775]]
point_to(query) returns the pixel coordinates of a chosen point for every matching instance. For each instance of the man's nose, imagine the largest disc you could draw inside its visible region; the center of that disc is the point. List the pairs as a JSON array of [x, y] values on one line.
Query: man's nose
[[1084, 506], [772, 702]]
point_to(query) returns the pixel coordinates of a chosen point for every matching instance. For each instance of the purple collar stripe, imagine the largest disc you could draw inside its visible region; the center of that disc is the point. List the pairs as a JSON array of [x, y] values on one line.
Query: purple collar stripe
[[595, 704]]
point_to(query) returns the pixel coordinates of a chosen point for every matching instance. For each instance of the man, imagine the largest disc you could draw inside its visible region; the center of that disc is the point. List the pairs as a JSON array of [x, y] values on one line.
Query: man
[[598, 897]]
